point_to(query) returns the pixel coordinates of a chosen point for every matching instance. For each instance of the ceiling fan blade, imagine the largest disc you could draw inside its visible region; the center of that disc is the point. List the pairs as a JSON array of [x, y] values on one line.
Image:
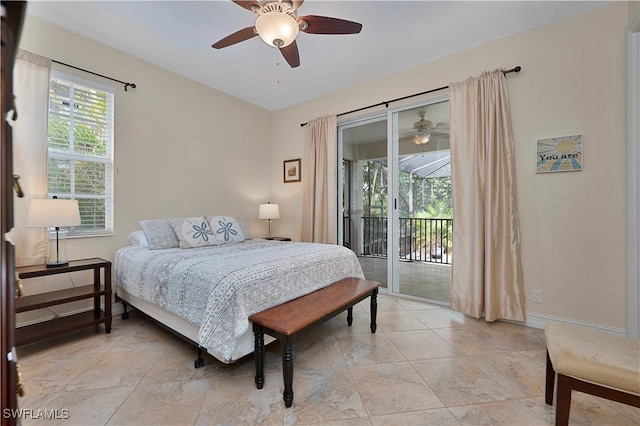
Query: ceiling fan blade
[[438, 131], [326, 25], [296, 4], [246, 4], [291, 54], [237, 37]]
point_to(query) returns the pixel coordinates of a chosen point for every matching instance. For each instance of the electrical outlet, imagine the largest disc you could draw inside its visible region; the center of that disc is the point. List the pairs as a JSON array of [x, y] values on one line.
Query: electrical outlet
[[536, 296]]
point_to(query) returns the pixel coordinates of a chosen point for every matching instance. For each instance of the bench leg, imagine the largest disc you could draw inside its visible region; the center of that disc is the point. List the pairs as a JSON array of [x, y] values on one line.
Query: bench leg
[[374, 309], [287, 370], [563, 400], [350, 316], [259, 354], [551, 378]]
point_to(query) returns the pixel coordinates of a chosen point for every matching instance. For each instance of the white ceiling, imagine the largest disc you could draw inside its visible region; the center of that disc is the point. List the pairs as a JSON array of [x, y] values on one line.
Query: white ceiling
[[177, 36]]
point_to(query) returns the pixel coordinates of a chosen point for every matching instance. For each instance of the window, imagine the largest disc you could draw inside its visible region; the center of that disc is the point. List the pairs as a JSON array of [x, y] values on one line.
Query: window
[[80, 151]]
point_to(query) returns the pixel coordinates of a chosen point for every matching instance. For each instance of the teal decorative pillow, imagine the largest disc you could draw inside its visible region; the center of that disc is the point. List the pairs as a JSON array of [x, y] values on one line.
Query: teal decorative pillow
[[226, 229], [193, 232]]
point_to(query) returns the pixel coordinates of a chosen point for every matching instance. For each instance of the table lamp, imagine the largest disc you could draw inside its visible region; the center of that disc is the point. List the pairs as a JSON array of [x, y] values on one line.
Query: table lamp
[[269, 211], [54, 213]]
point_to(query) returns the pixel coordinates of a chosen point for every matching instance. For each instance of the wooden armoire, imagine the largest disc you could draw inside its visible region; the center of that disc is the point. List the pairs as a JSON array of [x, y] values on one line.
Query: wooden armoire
[[12, 19]]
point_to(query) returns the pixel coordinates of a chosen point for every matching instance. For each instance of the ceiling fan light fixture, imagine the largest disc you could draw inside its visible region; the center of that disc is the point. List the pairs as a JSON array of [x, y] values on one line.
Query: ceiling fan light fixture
[[277, 29], [421, 138]]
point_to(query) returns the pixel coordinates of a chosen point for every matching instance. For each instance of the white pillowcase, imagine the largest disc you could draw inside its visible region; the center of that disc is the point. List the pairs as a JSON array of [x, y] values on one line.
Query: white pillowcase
[[226, 229], [194, 232], [138, 238]]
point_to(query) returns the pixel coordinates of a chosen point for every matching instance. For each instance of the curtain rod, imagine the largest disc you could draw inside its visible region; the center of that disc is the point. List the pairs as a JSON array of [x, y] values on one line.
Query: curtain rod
[[132, 85], [386, 103]]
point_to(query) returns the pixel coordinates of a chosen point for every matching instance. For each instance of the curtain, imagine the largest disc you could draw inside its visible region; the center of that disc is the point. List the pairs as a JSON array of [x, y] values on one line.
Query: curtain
[[319, 182], [486, 276], [31, 87]]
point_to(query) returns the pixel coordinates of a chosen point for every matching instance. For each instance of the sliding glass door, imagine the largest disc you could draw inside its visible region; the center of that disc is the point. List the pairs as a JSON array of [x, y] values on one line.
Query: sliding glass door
[[365, 194], [396, 199], [424, 210]]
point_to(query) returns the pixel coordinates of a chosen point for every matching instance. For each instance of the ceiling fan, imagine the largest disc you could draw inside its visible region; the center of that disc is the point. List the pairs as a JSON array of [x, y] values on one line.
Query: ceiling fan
[[278, 25], [423, 129]]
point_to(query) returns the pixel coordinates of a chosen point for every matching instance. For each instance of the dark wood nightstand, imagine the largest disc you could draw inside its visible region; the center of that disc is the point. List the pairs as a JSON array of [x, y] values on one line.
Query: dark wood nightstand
[[278, 238], [62, 325]]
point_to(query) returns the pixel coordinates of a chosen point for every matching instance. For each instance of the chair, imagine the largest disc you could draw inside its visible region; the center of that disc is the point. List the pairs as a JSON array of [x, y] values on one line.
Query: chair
[[591, 362]]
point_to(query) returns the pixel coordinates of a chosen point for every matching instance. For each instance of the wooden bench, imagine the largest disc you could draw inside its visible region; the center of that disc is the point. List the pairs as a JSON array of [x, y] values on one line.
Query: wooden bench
[[284, 321], [591, 362]]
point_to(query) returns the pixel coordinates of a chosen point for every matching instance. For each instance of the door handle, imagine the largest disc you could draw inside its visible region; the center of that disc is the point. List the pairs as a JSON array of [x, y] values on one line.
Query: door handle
[[16, 186]]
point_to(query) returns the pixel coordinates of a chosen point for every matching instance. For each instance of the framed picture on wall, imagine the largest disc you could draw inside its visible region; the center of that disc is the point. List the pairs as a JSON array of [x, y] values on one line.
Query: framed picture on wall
[[559, 154], [292, 170]]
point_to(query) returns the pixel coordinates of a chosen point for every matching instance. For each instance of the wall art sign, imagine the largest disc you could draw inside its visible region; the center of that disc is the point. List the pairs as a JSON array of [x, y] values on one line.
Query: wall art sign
[[561, 154]]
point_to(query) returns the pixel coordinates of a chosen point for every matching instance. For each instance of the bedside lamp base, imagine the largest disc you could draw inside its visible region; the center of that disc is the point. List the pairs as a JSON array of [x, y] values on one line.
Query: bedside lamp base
[[57, 249]]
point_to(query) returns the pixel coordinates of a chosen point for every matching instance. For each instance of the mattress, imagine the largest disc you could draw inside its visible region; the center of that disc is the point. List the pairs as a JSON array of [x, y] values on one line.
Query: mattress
[[216, 288]]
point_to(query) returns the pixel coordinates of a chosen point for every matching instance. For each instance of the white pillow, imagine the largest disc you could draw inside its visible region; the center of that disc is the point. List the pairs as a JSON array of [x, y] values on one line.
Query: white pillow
[[226, 229], [138, 238], [194, 232], [159, 233]]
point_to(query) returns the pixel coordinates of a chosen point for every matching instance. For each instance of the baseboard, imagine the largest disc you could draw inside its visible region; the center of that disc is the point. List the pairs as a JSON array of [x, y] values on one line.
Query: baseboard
[[535, 320], [47, 314], [539, 321]]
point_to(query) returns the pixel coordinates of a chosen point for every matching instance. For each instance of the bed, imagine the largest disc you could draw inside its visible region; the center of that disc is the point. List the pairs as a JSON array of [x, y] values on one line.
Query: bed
[[206, 293]]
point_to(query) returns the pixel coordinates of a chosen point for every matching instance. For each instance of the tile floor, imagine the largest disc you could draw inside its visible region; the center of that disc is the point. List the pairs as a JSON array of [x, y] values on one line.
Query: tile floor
[[425, 365]]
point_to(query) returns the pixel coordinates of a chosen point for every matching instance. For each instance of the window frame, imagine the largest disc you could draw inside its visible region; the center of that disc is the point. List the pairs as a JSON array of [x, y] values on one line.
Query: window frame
[[107, 160]]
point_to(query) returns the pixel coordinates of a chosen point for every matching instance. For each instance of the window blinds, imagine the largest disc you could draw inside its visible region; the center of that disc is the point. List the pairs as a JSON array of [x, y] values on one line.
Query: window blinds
[[80, 152]]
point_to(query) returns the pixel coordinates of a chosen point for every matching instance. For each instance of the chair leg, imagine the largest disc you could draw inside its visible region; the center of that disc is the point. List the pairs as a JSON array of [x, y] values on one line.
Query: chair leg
[[563, 400], [551, 378]]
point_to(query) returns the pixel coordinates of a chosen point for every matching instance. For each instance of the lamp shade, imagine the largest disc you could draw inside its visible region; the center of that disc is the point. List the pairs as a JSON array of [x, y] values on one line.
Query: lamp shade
[[269, 211], [421, 137], [277, 29], [45, 213]]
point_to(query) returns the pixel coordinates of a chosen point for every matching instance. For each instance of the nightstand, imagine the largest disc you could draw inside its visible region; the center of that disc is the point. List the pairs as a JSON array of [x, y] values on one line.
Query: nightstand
[[278, 238], [62, 325]]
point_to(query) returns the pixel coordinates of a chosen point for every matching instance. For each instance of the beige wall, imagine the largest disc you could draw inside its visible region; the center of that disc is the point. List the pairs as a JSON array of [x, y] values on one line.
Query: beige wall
[[177, 141], [573, 223], [181, 148]]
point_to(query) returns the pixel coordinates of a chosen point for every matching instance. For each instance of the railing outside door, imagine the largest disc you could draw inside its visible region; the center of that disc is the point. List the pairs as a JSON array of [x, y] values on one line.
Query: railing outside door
[[424, 240]]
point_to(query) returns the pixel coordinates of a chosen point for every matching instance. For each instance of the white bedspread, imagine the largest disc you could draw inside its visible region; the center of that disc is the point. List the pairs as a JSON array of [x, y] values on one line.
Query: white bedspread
[[219, 287]]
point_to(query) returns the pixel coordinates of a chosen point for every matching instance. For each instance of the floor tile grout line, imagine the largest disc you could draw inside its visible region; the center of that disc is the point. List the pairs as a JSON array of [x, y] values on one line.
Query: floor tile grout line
[[120, 405]]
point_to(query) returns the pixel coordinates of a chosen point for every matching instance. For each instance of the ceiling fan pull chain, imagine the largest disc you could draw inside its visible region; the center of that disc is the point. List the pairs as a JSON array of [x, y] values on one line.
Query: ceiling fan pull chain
[[277, 67]]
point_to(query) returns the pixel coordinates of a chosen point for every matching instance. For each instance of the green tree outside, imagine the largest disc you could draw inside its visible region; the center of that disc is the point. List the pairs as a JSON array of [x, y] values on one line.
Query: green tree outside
[[79, 131]]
